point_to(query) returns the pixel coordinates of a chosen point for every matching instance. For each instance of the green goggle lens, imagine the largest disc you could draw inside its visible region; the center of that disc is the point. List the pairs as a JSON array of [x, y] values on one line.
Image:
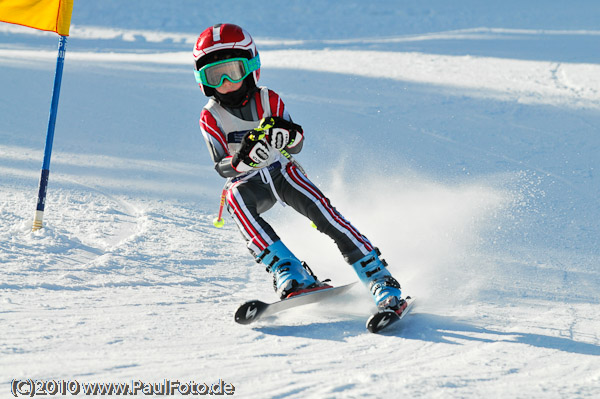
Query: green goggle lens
[[233, 69]]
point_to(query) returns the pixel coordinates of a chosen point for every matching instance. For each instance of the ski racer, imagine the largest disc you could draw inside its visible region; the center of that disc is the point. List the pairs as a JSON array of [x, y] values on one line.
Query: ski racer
[[251, 138]]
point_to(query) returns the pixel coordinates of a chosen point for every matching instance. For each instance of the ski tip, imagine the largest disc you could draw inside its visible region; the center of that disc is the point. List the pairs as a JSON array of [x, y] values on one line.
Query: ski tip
[[380, 320], [384, 318], [249, 312]]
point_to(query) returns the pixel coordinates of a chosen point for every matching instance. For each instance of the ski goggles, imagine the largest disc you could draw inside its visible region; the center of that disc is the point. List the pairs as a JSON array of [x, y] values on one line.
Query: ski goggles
[[233, 69]]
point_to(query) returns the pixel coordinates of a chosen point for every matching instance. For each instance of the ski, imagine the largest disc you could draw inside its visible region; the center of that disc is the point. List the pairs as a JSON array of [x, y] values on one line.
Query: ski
[[385, 318], [251, 311]]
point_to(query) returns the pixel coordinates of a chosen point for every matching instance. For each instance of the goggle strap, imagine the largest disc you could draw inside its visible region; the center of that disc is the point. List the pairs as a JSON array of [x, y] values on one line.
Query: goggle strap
[[254, 64]]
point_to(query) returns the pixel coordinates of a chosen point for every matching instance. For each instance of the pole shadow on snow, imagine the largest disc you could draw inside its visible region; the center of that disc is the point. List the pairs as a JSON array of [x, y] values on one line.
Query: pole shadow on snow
[[450, 330]]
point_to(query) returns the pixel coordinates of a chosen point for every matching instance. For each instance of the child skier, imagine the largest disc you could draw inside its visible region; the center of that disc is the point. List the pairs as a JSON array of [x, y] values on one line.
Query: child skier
[[250, 136]]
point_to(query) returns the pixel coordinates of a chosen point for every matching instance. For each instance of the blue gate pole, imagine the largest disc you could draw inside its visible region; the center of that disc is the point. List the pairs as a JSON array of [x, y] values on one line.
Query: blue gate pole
[[41, 201]]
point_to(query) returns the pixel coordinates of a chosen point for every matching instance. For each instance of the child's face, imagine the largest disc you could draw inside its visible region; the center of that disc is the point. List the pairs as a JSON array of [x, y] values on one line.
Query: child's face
[[228, 87]]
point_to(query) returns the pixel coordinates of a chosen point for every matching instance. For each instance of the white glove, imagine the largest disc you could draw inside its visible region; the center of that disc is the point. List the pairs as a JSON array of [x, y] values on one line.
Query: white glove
[[255, 153], [281, 133]]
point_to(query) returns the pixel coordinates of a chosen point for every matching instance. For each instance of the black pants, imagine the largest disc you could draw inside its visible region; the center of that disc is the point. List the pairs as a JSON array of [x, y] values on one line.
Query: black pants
[[248, 199]]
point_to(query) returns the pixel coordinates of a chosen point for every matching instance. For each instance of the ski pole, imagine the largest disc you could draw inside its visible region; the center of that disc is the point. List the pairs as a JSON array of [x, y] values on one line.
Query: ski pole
[[219, 222]]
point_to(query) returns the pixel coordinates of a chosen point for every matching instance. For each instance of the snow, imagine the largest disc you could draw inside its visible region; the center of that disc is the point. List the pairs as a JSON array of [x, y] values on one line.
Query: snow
[[461, 138]]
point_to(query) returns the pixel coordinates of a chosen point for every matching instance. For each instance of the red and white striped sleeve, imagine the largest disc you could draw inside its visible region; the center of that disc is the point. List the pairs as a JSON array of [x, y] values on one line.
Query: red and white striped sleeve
[[277, 106], [214, 136]]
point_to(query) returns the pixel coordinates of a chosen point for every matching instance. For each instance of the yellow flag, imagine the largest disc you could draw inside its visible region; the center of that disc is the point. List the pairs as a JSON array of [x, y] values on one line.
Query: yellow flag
[[49, 15]]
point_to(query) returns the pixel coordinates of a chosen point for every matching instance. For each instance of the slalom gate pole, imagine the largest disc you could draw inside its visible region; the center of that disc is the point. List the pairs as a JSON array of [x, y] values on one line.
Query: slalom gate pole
[[41, 201]]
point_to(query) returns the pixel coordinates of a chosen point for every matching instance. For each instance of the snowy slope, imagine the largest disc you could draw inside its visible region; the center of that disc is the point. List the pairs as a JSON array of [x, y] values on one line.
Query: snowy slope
[[462, 138]]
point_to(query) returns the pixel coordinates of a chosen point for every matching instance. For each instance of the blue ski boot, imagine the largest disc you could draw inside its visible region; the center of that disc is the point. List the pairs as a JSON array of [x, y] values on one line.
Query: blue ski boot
[[289, 274], [384, 288]]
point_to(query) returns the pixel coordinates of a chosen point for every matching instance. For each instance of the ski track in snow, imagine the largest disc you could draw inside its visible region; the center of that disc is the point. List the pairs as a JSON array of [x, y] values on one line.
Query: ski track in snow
[[485, 206]]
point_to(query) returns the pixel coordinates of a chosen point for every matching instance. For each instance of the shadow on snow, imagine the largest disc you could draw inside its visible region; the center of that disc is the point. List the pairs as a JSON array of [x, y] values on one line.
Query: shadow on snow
[[431, 328]]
